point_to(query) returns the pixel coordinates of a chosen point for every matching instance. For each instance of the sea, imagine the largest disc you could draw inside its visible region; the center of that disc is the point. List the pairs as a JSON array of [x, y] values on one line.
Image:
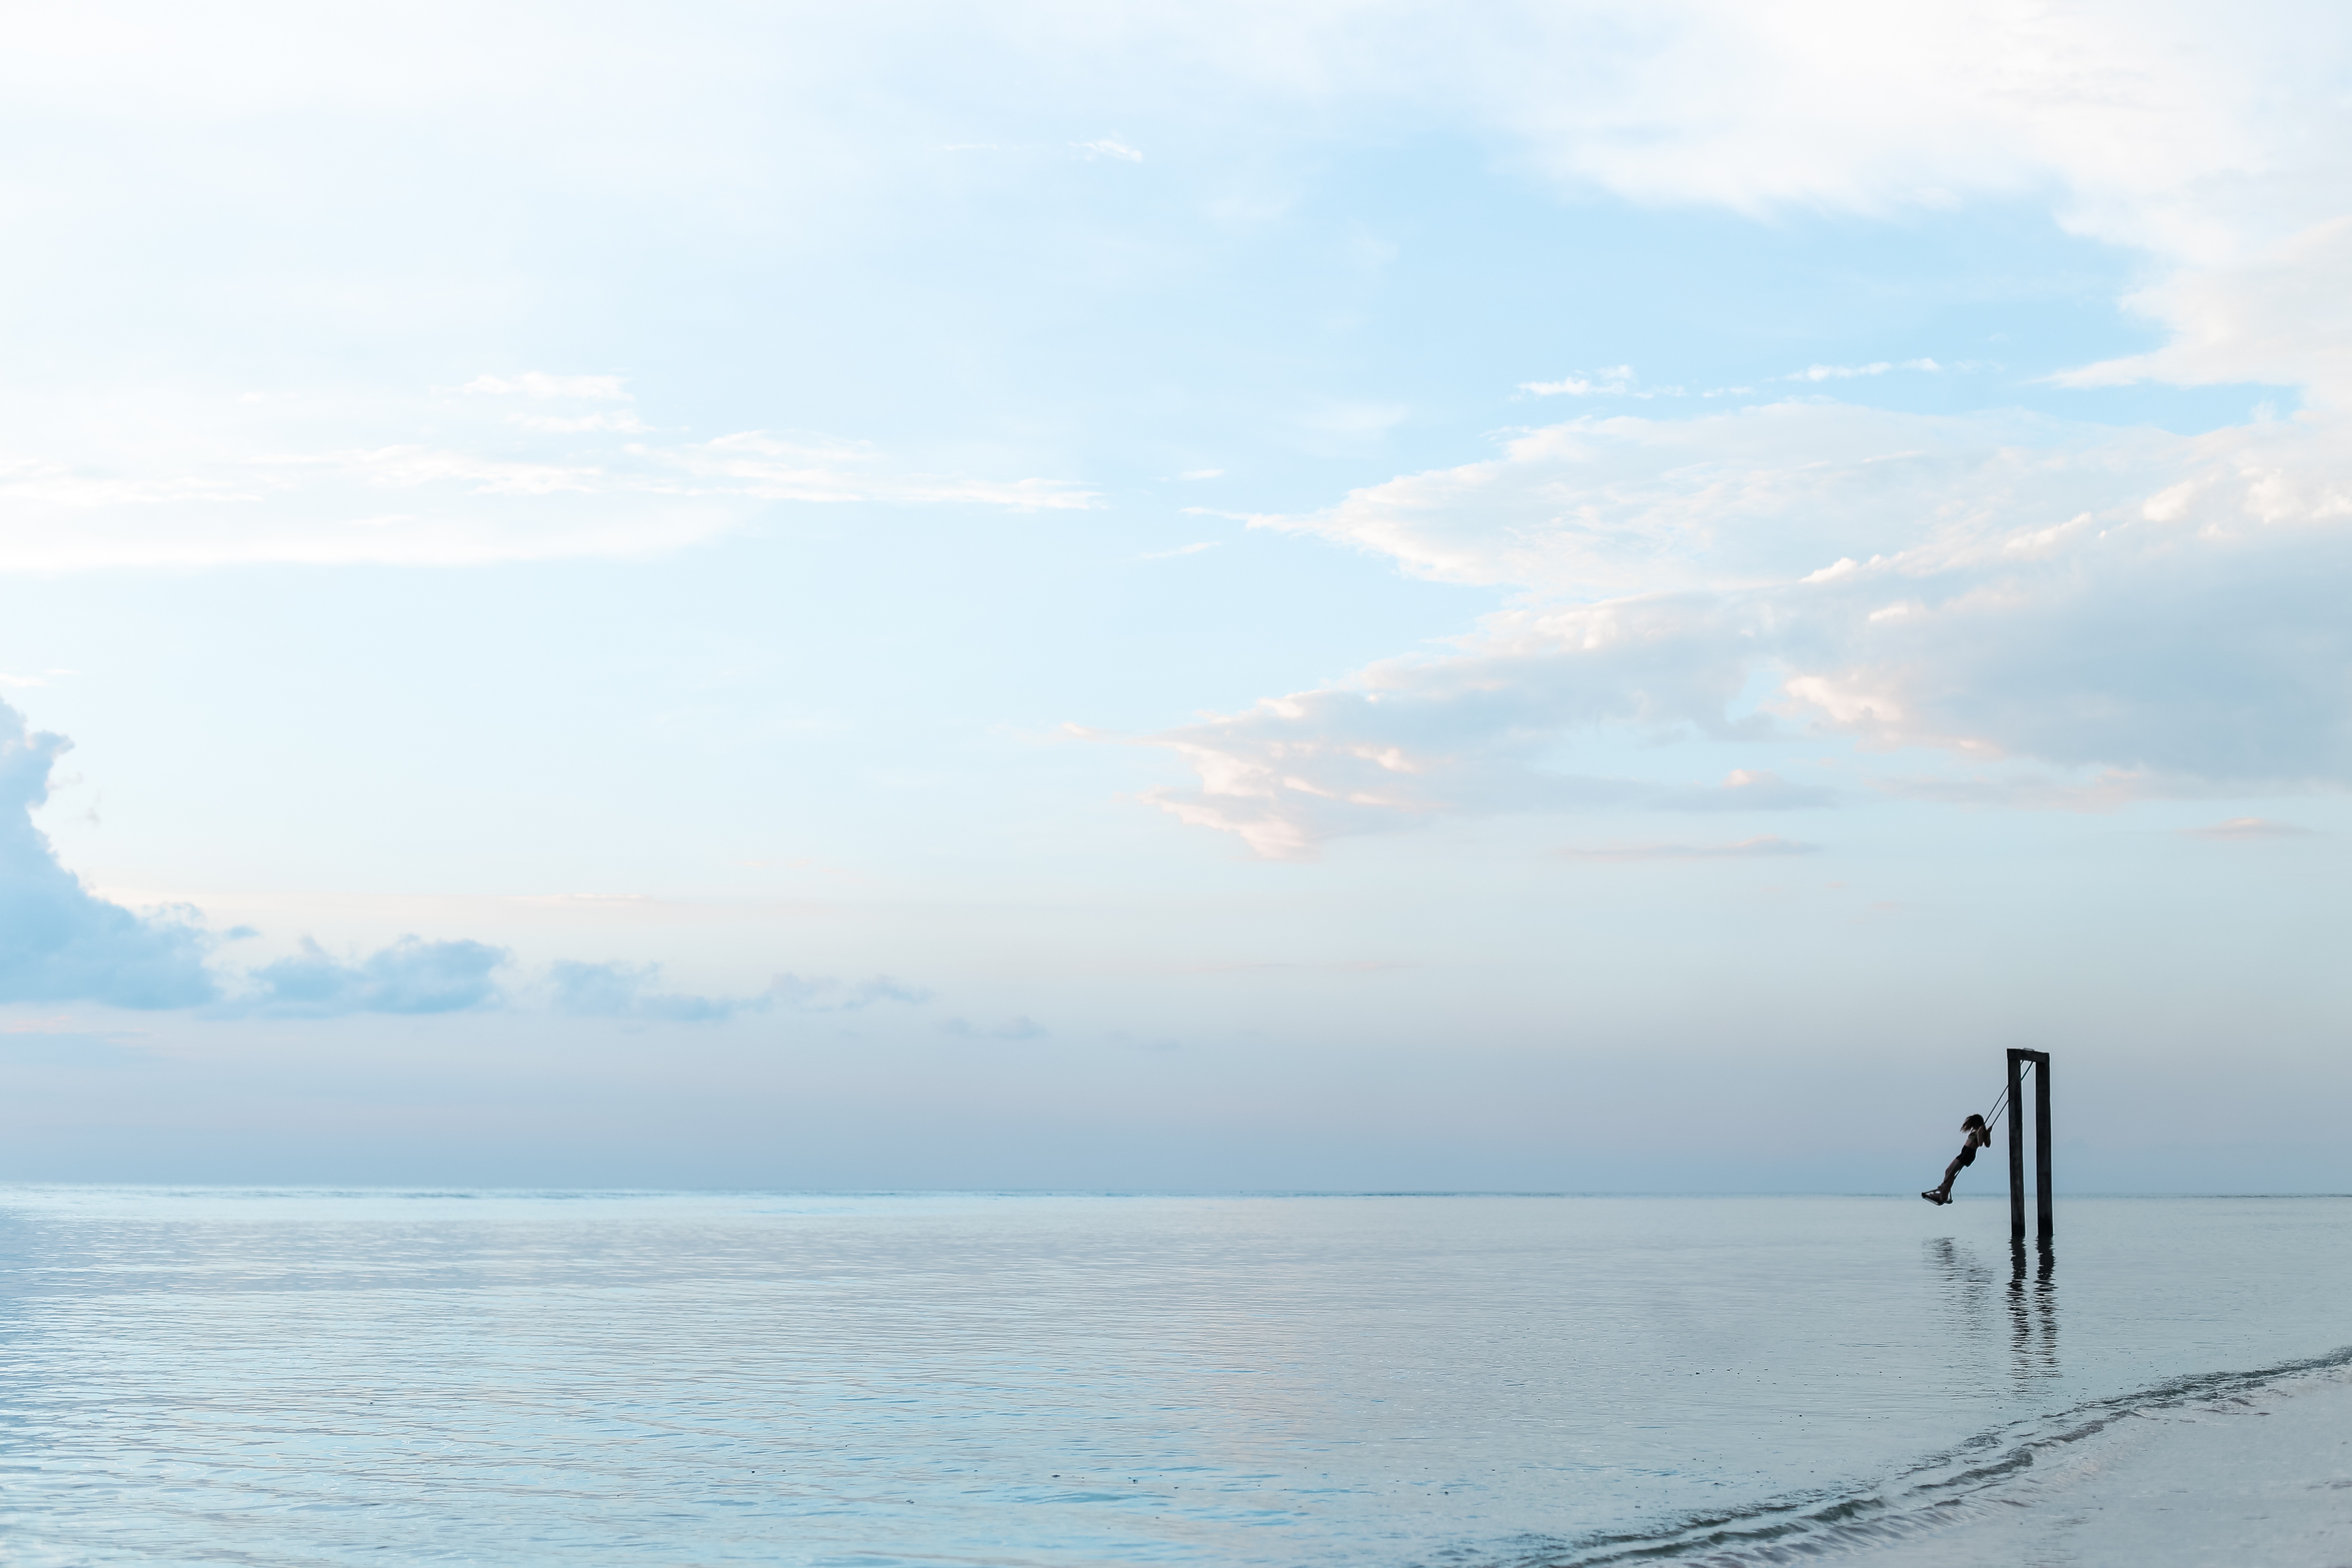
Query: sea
[[326, 1377]]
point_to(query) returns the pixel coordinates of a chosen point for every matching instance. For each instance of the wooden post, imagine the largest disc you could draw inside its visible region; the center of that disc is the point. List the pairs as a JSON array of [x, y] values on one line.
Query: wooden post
[[2042, 1145], [2039, 1062], [2016, 1153]]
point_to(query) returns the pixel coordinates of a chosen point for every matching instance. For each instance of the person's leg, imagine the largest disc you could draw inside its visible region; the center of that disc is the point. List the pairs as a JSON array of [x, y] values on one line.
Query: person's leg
[[1951, 1174]]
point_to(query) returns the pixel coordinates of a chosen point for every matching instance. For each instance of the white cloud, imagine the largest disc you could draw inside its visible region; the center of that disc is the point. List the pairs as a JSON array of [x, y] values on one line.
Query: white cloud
[[1615, 380], [561, 425], [2161, 124], [1598, 507], [1847, 372], [2141, 121], [2098, 613], [2071, 616], [2281, 315], [1473, 734], [771, 468], [170, 480]]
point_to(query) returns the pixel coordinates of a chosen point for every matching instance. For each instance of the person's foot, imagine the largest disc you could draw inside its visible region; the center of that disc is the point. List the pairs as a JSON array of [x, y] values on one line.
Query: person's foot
[[1933, 1197]]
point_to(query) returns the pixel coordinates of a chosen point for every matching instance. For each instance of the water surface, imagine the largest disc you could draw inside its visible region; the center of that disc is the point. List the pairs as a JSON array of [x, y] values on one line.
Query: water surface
[[314, 1378]]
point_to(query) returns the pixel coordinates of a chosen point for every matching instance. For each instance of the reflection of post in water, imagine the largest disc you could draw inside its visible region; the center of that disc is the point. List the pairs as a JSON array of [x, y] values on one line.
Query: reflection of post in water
[[2033, 1314]]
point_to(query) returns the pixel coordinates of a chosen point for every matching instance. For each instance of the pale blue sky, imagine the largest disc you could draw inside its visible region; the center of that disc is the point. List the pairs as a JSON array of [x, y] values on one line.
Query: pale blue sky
[[1332, 596]]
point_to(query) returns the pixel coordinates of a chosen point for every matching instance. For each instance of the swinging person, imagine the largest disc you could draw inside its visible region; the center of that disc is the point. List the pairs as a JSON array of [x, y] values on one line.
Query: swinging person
[[1980, 1136]]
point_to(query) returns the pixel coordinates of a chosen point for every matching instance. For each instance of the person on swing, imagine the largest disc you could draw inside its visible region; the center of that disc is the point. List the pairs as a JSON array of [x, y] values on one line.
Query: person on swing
[[1980, 1136]]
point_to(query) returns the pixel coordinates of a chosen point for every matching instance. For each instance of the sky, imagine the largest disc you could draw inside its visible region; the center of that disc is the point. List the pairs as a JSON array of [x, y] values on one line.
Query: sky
[[1340, 595]]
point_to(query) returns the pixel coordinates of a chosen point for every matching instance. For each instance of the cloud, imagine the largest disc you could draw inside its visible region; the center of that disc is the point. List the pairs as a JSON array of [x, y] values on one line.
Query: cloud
[[164, 478], [1617, 379], [1846, 372], [58, 941], [628, 991], [1763, 847], [2142, 124], [826, 995], [1107, 148], [411, 976], [538, 383], [416, 977], [1474, 735], [1597, 506], [621, 422], [2098, 615], [631, 991], [2279, 316], [2173, 128], [757, 463], [2110, 108], [2240, 828]]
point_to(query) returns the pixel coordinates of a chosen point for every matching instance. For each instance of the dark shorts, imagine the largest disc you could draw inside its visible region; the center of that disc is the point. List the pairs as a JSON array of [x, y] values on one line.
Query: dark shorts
[[1968, 1157]]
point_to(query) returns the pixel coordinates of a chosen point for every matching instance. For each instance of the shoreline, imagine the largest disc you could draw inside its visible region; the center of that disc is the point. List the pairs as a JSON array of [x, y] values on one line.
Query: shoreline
[[2259, 1476], [2220, 1469]]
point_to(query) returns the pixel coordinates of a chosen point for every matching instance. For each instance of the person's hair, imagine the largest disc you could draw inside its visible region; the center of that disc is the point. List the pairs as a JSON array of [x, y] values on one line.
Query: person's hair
[[1973, 1122]]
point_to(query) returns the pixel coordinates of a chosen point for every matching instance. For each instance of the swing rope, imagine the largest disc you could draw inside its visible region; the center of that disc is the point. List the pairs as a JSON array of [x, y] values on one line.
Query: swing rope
[[1993, 1116]]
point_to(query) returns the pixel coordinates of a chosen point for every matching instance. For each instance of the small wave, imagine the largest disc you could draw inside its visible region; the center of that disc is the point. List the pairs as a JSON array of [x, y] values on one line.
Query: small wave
[[1936, 1493]]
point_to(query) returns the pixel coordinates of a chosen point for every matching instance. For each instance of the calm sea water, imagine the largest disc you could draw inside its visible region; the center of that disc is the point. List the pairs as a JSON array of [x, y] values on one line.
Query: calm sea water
[[316, 1377]]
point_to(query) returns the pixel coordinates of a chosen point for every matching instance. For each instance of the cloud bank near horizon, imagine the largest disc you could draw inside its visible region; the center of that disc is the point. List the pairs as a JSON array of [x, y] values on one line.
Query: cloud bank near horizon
[[58, 941], [634, 991], [61, 943]]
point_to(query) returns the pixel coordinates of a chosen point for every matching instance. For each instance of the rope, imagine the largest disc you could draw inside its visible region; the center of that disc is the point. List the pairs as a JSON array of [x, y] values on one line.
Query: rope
[[1993, 1116]]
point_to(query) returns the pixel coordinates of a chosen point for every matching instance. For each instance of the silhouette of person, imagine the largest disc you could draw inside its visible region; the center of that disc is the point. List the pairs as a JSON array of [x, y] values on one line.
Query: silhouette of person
[[1980, 1136]]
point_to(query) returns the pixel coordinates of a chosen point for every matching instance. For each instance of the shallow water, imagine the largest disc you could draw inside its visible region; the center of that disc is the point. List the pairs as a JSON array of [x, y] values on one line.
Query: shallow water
[[282, 1378]]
